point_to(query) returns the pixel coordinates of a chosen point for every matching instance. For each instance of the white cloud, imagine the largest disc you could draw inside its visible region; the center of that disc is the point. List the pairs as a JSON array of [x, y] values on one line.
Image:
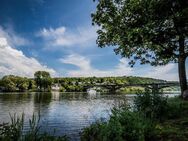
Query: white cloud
[[12, 38], [14, 62], [62, 37], [167, 72], [81, 62], [85, 68]]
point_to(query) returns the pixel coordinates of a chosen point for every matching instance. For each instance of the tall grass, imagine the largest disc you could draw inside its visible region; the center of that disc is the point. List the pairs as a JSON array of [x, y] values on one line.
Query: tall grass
[[13, 131]]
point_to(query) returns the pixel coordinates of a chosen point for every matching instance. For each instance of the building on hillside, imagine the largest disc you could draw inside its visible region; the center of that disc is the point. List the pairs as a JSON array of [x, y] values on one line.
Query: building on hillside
[[55, 87]]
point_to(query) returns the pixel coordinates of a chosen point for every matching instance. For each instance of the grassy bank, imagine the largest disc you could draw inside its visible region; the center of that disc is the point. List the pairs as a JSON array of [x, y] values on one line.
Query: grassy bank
[[152, 118]]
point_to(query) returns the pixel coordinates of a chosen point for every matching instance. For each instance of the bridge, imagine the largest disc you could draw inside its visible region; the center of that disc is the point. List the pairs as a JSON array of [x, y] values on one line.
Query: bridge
[[152, 86]]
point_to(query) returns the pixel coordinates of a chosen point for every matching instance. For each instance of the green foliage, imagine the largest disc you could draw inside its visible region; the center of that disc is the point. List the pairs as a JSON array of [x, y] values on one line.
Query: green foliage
[[13, 83], [138, 123], [77, 84], [147, 30], [34, 129], [14, 131], [9, 85], [62, 89], [23, 84], [93, 132], [32, 85], [123, 125], [43, 80], [151, 105], [156, 106], [175, 108]]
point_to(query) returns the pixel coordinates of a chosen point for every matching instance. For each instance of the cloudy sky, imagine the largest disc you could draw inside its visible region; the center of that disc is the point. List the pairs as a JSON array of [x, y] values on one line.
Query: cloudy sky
[[57, 36]]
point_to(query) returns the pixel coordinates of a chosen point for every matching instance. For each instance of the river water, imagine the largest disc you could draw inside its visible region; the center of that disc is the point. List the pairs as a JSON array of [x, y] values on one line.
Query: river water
[[61, 113]]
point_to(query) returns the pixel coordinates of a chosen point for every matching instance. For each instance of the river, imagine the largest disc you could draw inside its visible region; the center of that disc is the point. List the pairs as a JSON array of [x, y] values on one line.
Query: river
[[61, 113]]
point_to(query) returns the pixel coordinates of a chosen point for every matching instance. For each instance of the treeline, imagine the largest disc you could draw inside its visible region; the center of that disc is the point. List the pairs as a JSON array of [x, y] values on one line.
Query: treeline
[[11, 83], [76, 84], [42, 81]]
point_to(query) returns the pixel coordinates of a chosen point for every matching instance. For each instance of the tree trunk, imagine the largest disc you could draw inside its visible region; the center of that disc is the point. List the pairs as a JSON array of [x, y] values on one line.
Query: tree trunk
[[182, 74]]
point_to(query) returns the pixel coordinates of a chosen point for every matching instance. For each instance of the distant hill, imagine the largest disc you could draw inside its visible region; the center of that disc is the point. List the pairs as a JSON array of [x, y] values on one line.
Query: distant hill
[[119, 79], [77, 84]]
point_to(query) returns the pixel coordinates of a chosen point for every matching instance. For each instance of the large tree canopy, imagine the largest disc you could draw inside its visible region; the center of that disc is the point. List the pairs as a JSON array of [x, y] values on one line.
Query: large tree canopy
[[152, 31], [43, 80]]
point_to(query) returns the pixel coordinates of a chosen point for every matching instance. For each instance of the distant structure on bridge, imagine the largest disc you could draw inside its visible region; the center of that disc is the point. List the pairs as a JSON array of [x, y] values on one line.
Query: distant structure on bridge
[[55, 87], [114, 87]]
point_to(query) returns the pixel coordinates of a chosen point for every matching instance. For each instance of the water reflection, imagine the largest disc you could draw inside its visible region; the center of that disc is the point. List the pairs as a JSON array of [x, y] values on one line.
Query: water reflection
[[68, 113], [42, 98]]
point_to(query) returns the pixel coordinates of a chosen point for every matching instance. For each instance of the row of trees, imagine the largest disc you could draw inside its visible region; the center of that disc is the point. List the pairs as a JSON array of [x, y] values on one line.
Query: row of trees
[[42, 82], [11, 83]]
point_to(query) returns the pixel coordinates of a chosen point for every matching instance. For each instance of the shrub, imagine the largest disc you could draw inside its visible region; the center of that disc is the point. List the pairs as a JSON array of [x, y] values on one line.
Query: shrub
[[93, 132], [123, 125], [133, 126], [175, 108], [152, 105], [157, 107]]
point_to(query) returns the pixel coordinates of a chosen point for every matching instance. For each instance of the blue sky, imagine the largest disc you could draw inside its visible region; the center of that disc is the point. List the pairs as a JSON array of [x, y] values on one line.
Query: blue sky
[[57, 36]]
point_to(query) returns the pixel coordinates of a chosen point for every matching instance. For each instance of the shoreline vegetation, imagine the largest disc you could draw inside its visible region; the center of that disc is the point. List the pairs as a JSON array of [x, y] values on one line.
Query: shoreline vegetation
[[152, 117], [14, 131], [42, 82]]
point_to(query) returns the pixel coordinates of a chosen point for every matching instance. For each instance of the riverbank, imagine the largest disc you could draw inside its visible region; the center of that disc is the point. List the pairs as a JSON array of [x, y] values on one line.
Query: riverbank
[[157, 120]]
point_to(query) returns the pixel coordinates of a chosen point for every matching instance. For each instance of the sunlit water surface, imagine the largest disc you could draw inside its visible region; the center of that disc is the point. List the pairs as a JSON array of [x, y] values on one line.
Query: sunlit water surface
[[61, 113]]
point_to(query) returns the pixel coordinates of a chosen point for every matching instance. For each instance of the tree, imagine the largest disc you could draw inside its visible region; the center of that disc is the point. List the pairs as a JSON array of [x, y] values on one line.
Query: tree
[[43, 80], [12, 83], [152, 31], [31, 85], [9, 84], [22, 84]]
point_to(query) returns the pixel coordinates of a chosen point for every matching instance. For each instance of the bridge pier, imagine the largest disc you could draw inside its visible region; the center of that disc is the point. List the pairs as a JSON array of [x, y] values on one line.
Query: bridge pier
[[155, 88]]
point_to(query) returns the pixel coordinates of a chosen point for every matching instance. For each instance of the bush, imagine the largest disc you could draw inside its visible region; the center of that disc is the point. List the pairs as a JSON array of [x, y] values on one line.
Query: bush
[[175, 108], [93, 132], [151, 105], [157, 107], [123, 125]]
